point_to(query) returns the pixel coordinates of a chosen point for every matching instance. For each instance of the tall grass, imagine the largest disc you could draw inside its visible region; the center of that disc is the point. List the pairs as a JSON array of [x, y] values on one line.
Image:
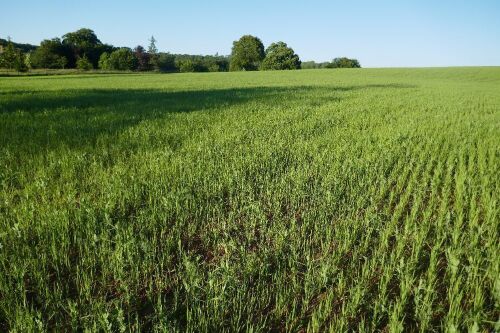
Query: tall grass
[[332, 200]]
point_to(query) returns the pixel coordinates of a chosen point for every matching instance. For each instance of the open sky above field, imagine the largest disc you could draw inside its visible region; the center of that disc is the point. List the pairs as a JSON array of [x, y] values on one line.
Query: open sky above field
[[388, 33]]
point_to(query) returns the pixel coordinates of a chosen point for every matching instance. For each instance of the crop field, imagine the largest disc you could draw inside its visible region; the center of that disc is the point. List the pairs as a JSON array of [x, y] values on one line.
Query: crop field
[[355, 200]]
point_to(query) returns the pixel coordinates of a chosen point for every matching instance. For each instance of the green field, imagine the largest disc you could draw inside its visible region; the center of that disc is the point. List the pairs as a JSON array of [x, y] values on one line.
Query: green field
[[343, 200]]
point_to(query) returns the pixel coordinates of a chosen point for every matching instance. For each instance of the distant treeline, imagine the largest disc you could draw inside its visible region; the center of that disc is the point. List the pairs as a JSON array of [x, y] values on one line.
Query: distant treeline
[[23, 47], [336, 63], [84, 51]]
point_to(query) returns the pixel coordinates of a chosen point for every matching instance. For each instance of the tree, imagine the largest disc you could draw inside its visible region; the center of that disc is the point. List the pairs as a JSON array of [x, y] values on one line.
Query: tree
[[153, 52], [143, 58], [190, 63], [122, 59], [152, 49], [280, 57], [84, 42], [221, 62], [186, 66], [314, 65], [215, 63], [247, 54], [106, 48], [13, 58], [166, 62], [214, 68], [344, 63], [51, 54], [8, 56], [83, 39], [198, 63], [84, 64], [104, 61], [25, 48], [20, 62], [27, 60]]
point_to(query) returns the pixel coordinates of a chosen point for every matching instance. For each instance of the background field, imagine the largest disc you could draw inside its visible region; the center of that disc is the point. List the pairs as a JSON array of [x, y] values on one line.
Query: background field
[[349, 200]]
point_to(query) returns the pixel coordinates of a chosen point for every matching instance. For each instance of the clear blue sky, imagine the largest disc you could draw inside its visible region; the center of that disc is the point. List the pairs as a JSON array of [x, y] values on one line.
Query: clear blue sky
[[384, 33]]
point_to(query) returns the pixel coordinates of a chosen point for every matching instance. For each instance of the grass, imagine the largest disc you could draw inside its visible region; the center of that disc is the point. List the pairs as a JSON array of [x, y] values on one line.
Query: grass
[[325, 200]]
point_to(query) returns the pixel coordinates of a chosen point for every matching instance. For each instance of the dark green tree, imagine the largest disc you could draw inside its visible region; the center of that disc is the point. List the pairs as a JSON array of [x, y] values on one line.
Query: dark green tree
[[51, 54], [280, 57], [344, 63], [84, 42], [122, 59], [83, 38], [198, 63], [314, 65], [20, 62], [247, 54], [8, 56], [25, 48], [106, 48], [221, 63], [13, 58], [165, 62]]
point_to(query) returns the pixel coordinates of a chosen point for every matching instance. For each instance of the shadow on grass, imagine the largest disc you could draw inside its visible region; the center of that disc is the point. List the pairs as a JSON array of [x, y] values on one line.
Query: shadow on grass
[[116, 100], [77, 117], [171, 101]]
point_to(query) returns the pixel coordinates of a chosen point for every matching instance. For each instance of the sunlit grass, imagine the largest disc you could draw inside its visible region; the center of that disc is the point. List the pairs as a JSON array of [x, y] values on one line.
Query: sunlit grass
[[341, 200]]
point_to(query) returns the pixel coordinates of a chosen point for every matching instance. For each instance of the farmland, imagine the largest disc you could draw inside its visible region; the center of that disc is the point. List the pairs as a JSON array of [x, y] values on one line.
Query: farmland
[[344, 200]]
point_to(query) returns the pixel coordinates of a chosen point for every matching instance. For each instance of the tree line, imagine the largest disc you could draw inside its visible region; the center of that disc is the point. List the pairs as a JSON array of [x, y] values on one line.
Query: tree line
[[336, 63], [83, 50]]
